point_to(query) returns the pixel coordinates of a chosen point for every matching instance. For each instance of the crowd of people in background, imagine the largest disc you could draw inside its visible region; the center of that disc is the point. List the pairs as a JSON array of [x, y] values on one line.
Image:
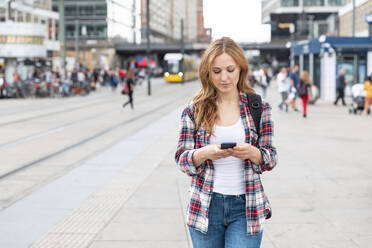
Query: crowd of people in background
[[45, 82], [289, 84], [293, 85]]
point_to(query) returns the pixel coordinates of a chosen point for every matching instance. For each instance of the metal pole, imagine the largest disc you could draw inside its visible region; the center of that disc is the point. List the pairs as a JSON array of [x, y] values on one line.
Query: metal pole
[[77, 42], [353, 21], [134, 21], [182, 50], [61, 33], [10, 17], [148, 46]]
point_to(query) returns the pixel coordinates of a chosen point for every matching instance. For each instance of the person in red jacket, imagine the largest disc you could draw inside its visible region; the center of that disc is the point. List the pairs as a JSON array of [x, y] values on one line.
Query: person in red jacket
[[303, 91]]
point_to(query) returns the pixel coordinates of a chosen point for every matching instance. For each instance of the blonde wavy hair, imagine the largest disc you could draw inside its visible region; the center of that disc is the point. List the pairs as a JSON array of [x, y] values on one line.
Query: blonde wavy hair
[[305, 77], [204, 102]]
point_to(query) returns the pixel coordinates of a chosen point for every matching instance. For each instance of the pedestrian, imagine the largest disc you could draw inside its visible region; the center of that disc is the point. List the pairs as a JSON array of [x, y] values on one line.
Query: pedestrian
[[303, 91], [340, 87], [283, 87], [264, 81], [368, 97], [130, 84], [228, 205], [294, 80]]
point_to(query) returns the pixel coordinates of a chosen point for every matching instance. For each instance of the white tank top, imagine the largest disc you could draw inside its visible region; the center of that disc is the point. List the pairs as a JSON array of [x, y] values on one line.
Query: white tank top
[[228, 177]]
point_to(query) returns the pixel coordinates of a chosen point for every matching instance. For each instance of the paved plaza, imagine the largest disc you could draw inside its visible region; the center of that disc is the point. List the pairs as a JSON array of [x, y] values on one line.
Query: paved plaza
[[131, 194]]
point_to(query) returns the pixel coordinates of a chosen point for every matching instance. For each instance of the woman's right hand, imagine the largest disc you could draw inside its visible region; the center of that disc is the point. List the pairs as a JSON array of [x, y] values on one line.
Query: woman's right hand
[[212, 152], [215, 152]]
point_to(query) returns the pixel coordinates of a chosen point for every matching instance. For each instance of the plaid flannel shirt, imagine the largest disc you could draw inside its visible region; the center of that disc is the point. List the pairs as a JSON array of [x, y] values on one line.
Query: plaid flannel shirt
[[257, 205]]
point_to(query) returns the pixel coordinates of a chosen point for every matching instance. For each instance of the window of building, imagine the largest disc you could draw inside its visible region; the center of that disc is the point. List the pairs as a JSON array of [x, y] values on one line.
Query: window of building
[[28, 17], [2, 14], [336, 2], [91, 30], [289, 3], [313, 2], [101, 30], [101, 10], [19, 16], [71, 10], [86, 10], [322, 28], [70, 31]]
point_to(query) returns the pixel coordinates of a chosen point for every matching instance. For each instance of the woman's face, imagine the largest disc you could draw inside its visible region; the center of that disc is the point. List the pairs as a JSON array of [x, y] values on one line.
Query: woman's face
[[225, 73]]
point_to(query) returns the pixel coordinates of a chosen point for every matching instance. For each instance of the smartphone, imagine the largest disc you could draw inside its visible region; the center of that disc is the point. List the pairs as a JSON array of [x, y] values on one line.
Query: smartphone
[[226, 145]]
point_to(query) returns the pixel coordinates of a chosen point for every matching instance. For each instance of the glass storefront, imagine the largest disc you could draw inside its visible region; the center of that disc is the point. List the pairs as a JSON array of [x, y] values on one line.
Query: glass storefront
[[355, 66], [316, 66], [306, 63]]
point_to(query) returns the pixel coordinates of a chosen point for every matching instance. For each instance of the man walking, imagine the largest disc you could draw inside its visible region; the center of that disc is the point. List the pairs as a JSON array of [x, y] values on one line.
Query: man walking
[[340, 87], [294, 85]]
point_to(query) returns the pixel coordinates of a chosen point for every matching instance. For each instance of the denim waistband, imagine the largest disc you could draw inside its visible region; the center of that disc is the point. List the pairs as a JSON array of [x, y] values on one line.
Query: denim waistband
[[219, 195]]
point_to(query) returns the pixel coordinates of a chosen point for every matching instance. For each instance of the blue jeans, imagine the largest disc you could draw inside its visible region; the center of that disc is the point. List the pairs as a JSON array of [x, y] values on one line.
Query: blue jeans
[[227, 225]]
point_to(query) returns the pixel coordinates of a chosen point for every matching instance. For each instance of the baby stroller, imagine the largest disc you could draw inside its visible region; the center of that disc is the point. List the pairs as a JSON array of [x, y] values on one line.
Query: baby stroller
[[357, 95]]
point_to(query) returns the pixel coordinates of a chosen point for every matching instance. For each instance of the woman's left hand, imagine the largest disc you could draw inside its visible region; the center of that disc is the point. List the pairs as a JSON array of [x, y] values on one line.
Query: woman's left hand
[[246, 151]]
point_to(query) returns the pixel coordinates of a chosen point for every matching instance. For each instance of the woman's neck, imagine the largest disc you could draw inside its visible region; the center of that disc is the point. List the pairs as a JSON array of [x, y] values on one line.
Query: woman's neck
[[228, 98]]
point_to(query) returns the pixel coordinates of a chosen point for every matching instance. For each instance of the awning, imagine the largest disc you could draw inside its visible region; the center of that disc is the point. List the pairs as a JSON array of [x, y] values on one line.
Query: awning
[[338, 44]]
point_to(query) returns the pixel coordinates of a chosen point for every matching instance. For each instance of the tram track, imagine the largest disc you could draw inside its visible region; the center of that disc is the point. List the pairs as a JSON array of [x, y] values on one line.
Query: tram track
[[88, 139], [90, 104], [63, 127]]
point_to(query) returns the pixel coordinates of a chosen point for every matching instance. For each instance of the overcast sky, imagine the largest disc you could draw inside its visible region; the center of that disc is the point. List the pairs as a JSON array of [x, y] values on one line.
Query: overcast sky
[[237, 19]]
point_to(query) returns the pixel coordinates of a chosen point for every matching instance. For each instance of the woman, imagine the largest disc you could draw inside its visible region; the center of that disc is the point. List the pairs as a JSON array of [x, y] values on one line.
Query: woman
[[303, 91], [368, 98], [130, 85], [228, 205], [283, 87]]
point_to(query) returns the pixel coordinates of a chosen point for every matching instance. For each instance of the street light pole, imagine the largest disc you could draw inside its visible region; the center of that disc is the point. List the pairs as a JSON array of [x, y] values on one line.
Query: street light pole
[[61, 33], [353, 21], [182, 50], [148, 47], [77, 42]]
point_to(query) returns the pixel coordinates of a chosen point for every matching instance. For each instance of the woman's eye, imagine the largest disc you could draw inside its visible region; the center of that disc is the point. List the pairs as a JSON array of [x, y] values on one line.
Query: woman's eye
[[216, 72], [231, 70]]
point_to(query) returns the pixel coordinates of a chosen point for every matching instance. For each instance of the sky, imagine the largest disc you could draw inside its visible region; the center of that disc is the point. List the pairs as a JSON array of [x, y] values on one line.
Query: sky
[[237, 19]]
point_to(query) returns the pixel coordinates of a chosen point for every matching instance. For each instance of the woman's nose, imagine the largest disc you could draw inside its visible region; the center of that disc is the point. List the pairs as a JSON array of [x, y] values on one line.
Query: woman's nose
[[223, 75]]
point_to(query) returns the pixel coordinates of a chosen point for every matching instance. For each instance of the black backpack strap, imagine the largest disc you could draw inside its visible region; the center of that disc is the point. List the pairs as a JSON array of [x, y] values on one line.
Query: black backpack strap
[[255, 106]]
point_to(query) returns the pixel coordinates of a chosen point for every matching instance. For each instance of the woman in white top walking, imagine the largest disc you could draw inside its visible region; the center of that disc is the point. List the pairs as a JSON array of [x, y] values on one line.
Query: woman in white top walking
[[283, 87], [228, 205]]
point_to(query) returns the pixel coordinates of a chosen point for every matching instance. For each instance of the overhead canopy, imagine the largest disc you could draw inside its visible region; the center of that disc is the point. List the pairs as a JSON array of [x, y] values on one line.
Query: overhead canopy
[[338, 44]]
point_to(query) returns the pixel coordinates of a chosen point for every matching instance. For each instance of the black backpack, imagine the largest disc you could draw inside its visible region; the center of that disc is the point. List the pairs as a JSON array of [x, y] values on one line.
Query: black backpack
[[255, 105]]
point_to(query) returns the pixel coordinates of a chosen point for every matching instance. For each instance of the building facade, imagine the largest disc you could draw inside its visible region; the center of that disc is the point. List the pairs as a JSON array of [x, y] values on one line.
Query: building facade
[[301, 19], [362, 18], [93, 26], [165, 21], [28, 36], [99, 19]]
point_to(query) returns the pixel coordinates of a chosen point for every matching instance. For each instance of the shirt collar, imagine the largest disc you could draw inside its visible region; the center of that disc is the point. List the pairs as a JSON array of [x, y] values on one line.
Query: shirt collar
[[243, 97]]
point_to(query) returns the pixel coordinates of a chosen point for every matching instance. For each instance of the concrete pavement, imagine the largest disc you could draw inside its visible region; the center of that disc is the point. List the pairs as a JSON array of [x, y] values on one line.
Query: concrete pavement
[[320, 191]]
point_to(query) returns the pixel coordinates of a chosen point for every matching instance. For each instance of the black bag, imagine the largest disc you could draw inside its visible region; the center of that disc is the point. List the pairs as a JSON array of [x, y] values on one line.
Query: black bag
[[255, 105], [302, 90]]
